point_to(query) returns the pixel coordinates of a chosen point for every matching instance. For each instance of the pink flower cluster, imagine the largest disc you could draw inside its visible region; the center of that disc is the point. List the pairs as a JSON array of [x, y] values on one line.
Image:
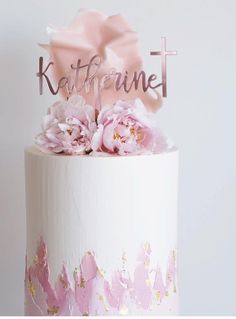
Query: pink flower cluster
[[73, 127]]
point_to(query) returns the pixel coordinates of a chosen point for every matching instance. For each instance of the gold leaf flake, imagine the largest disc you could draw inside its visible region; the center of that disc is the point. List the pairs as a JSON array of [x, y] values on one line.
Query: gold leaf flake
[[158, 295], [32, 289], [63, 282], [53, 310], [124, 310], [75, 274], [124, 258], [148, 282], [82, 282], [146, 247], [103, 301], [101, 272], [36, 259]]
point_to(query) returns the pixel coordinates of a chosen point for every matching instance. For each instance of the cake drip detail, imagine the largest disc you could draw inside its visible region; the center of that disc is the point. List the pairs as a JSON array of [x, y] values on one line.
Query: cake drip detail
[[88, 292]]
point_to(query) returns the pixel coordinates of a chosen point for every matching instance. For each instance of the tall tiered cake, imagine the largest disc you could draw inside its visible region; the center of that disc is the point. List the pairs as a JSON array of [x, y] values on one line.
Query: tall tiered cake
[[101, 194]]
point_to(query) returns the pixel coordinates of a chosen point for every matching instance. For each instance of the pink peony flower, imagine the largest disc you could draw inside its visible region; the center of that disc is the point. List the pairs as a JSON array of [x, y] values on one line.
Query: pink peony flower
[[93, 33], [68, 127], [127, 128]]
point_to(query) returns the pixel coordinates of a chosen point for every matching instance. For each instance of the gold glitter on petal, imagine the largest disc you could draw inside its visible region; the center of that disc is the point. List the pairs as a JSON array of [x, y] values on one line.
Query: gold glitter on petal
[[53, 310]]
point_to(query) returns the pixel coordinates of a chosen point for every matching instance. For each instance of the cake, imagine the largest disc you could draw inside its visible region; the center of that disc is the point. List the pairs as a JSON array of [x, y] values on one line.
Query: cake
[[101, 186]]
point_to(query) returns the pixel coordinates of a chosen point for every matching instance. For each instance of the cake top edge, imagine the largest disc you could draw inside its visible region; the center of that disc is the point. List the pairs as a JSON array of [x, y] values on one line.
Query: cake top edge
[[34, 150]]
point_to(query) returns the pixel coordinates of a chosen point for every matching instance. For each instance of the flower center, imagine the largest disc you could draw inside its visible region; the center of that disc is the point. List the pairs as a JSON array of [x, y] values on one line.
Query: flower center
[[69, 131], [132, 131], [139, 135], [135, 134], [116, 136]]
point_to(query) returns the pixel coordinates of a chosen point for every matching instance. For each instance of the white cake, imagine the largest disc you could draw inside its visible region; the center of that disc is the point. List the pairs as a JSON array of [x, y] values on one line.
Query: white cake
[[110, 207], [101, 187]]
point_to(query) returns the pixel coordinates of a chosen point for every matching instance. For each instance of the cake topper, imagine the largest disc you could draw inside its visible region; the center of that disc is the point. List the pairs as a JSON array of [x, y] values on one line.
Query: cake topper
[[101, 70], [139, 79], [108, 98]]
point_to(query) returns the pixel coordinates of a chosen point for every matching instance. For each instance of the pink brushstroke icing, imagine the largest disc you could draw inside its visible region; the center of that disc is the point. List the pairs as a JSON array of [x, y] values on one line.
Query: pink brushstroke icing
[[89, 293]]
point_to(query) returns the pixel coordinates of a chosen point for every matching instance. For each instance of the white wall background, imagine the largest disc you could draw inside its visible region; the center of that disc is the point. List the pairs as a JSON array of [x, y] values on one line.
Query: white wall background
[[199, 114]]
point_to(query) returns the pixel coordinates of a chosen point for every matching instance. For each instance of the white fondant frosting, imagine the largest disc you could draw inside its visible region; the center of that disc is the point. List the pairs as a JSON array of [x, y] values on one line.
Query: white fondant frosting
[[107, 205]]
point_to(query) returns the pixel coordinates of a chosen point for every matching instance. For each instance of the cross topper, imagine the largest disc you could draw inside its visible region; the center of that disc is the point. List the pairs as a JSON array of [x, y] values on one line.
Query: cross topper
[[163, 53]]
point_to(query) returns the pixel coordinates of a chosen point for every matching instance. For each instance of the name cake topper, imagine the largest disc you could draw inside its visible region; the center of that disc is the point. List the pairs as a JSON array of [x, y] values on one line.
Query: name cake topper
[[83, 76], [108, 100]]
